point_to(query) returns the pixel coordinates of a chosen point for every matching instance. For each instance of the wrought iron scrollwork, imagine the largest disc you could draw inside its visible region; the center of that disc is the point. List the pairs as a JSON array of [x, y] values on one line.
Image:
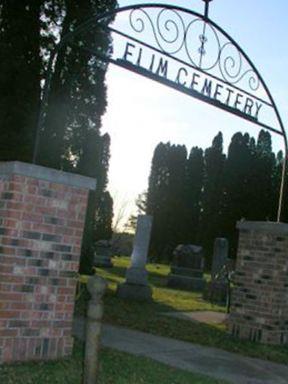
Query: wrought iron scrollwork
[[168, 34], [173, 30], [231, 67], [196, 54], [196, 40]]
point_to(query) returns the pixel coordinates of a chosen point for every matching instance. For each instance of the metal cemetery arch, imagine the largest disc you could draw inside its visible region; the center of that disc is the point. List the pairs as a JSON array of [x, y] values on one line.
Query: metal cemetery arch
[[172, 45]]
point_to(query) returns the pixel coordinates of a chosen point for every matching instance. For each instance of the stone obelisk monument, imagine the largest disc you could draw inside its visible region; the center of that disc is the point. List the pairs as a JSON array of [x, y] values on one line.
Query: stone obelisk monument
[[136, 285]]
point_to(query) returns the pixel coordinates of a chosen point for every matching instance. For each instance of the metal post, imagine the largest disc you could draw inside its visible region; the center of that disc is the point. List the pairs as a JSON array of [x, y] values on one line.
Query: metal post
[[206, 12], [283, 180], [96, 286]]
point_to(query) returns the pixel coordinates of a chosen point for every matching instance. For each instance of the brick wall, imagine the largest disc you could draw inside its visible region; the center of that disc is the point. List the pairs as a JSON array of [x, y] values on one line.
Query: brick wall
[[41, 226], [259, 308]]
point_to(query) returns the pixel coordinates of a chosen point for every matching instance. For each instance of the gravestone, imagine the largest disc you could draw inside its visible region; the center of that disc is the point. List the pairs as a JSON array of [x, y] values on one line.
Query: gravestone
[[103, 253], [220, 256], [136, 284], [187, 268], [218, 288]]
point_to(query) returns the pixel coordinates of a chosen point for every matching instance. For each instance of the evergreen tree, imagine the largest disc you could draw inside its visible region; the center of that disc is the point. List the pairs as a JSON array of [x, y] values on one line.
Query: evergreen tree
[[71, 139], [212, 200], [265, 165], [103, 218], [20, 68], [193, 195], [249, 176], [98, 223], [157, 198], [166, 199], [239, 185], [213, 193], [176, 224], [73, 130], [77, 98], [75, 108]]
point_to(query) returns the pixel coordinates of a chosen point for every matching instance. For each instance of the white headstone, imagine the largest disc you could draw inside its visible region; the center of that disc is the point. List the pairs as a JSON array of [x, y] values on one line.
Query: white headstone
[[136, 284], [141, 241], [137, 273]]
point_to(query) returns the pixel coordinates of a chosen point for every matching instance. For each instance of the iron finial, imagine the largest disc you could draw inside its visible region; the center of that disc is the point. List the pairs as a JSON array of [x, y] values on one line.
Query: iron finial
[[206, 12]]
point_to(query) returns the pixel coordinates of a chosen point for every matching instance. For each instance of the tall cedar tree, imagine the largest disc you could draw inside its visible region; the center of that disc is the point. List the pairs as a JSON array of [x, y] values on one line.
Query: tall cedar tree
[[98, 223], [157, 199], [176, 225], [265, 165], [71, 139], [193, 194], [165, 199], [239, 185], [219, 191], [212, 198], [20, 68], [77, 98], [103, 218]]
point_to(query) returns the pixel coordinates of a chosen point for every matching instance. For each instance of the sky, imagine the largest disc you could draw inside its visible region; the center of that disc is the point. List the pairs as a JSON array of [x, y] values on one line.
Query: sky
[[141, 112]]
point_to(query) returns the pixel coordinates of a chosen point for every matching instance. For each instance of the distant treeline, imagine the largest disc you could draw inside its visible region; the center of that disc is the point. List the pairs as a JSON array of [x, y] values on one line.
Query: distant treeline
[[197, 197]]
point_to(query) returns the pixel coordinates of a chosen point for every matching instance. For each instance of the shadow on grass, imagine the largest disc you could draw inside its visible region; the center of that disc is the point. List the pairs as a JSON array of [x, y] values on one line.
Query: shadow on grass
[[114, 368], [154, 278], [150, 316]]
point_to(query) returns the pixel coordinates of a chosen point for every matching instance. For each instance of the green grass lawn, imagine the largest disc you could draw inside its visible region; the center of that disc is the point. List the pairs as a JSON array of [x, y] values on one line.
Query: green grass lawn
[[115, 368], [148, 317], [121, 368]]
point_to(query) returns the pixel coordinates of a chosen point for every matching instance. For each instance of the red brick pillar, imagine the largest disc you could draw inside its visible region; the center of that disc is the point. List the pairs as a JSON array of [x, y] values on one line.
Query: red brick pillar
[[42, 214], [259, 307]]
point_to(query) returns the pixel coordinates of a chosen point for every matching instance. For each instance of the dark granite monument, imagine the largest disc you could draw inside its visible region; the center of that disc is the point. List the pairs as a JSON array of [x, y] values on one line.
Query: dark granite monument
[[217, 289], [103, 253], [187, 268]]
